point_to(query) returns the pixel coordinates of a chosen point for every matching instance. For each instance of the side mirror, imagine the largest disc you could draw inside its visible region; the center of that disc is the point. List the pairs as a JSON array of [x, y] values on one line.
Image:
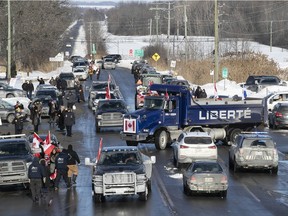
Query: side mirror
[[88, 162]]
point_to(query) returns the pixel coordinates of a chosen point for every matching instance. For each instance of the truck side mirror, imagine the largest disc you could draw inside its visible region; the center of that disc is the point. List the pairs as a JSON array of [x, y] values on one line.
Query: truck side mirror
[[88, 162], [170, 106]]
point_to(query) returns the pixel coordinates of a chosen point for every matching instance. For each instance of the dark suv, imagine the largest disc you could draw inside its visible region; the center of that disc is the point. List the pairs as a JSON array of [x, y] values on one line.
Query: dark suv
[[256, 83], [15, 159]]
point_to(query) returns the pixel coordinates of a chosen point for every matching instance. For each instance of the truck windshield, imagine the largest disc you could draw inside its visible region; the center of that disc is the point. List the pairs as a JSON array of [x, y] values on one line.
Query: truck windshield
[[13, 149], [151, 80], [154, 103]]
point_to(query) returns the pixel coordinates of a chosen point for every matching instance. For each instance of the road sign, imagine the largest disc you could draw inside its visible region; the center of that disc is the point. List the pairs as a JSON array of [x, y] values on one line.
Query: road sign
[[173, 64], [156, 57], [139, 53], [130, 52], [224, 73]]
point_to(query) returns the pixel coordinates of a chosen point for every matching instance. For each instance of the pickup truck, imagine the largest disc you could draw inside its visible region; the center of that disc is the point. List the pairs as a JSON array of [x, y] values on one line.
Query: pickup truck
[[121, 170], [15, 159], [164, 117]]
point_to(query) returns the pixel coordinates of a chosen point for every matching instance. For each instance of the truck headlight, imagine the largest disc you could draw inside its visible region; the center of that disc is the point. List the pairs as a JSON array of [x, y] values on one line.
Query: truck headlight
[[146, 130], [141, 177], [99, 117], [28, 164]]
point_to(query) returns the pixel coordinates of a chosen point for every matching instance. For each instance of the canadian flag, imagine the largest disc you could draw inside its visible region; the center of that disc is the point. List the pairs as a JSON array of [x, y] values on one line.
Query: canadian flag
[[99, 149], [47, 146], [47, 139], [36, 143], [53, 175], [215, 92], [130, 125], [108, 95]]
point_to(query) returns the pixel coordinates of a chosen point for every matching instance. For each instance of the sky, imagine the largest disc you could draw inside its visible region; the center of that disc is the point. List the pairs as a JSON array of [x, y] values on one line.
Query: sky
[[122, 45]]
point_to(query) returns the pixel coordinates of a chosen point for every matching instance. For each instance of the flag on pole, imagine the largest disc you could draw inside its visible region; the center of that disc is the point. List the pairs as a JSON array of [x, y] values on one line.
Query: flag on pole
[[215, 91], [99, 149], [166, 95], [108, 95], [36, 143], [48, 138]]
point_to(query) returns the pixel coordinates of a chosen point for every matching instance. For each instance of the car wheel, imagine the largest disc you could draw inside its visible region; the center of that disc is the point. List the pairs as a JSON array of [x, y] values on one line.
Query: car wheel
[[274, 170], [131, 143], [10, 118], [161, 139], [98, 198], [149, 185], [223, 194], [231, 165], [186, 189], [97, 127], [144, 195], [9, 96], [274, 126], [234, 133]]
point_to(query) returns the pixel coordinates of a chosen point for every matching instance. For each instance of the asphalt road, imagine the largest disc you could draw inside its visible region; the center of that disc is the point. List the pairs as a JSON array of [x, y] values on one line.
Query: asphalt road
[[249, 193]]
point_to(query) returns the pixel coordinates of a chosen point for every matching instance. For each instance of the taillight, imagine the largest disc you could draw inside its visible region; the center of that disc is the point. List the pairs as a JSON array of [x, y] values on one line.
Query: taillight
[[212, 147], [224, 179], [183, 146], [278, 114], [193, 179]]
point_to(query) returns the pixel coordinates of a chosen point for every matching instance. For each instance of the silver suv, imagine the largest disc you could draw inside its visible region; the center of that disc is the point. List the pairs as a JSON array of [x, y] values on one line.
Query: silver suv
[[254, 150]]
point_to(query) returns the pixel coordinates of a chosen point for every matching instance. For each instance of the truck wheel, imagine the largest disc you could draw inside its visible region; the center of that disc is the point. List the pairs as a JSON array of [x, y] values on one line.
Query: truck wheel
[[9, 96], [144, 195], [223, 194], [97, 127], [131, 143], [98, 198], [235, 167], [10, 118], [233, 134], [274, 170], [161, 139], [186, 190]]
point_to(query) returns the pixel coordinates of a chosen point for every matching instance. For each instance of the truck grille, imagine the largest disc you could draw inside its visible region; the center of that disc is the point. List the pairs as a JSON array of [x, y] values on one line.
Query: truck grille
[[12, 166], [119, 178], [112, 116]]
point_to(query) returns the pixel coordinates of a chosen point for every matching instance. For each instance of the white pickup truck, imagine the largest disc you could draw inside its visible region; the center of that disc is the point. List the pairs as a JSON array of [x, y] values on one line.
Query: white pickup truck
[[121, 170]]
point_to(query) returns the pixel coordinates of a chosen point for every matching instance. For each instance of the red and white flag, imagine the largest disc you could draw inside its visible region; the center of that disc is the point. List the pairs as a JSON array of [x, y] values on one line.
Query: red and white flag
[[108, 95], [47, 139], [53, 175], [166, 95], [99, 149], [47, 146], [129, 126], [36, 141]]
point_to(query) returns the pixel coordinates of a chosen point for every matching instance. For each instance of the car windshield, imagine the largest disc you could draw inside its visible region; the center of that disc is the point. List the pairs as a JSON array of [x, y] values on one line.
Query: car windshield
[[197, 140], [103, 96], [151, 80], [102, 86], [51, 94], [258, 143], [10, 148], [207, 167], [110, 105], [67, 76], [152, 103], [119, 158]]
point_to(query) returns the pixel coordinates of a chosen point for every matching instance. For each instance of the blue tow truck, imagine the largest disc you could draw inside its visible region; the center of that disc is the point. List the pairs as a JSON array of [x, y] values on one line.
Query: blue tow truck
[[164, 117]]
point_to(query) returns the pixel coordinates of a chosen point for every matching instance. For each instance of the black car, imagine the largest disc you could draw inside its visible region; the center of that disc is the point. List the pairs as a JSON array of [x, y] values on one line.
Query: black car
[[256, 83], [278, 118], [69, 77]]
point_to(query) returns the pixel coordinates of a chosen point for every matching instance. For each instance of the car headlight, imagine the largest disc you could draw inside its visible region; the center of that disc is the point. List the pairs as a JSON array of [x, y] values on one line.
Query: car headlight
[[99, 117], [146, 130], [141, 177]]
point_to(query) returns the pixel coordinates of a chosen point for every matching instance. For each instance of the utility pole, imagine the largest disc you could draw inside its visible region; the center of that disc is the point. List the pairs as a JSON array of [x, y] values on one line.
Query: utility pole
[[9, 42], [216, 49], [271, 34], [90, 37], [186, 45]]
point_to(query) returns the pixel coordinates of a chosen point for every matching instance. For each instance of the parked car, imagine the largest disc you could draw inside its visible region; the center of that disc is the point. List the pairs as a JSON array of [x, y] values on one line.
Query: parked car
[[191, 146], [253, 150], [180, 82], [99, 86], [69, 77], [15, 159], [45, 86], [256, 83], [109, 113], [7, 91], [205, 177], [116, 57], [120, 171], [80, 73], [109, 63], [102, 96], [7, 111], [278, 118]]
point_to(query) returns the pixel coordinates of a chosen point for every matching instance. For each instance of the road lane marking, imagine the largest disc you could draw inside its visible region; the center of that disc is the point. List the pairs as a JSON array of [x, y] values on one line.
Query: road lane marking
[[251, 193]]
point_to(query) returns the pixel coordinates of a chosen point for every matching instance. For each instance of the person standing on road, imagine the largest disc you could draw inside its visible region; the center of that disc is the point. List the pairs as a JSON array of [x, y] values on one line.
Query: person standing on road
[[18, 121], [30, 89], [35, 116], [69, 99], [72, 164], [61, 167], [25, 87], [41, 81], [36, 174], [69, 121], [60, 120]]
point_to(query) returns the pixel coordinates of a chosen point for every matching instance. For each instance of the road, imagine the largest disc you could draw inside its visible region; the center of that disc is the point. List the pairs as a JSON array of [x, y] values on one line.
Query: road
[[249, 193]]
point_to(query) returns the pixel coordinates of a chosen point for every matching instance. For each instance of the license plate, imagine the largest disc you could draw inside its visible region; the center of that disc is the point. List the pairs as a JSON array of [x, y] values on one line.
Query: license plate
[[208, 180], [258, 153]]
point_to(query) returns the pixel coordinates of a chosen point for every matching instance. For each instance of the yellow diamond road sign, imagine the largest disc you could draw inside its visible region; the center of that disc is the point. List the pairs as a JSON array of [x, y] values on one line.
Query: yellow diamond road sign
[[156, 57]]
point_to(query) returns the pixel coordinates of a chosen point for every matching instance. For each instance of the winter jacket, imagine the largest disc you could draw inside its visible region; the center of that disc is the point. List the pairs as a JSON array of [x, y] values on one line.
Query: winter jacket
[[69, 118], [36, 170], [61, 160], [73, 156]]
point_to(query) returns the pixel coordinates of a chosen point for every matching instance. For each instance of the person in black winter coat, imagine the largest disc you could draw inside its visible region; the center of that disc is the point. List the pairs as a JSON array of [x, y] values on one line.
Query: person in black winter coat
[[61, 167], [41, 81], [69, 121], [18, 122], [36, 174], [30, 89], [73, 160], [36, 110], [60, 120]]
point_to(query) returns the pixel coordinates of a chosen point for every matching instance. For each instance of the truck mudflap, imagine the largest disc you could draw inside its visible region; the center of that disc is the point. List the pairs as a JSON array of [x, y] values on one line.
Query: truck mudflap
[[134, 137]]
